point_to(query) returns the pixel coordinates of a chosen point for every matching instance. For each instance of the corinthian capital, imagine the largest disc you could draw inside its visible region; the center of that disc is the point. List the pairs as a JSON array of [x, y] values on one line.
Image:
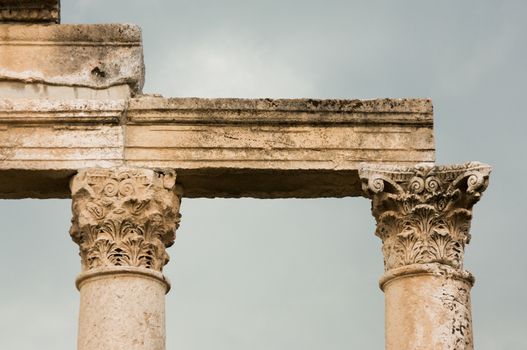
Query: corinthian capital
[[124, 217], [423, 213]]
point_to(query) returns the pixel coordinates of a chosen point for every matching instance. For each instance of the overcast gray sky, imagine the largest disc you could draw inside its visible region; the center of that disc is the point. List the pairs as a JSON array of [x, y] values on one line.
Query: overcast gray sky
[[302, 274]]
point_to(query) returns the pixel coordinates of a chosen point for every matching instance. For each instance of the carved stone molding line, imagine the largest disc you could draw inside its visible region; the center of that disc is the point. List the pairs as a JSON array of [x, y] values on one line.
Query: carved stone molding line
[[423, 213], [124, 216], [30, 11]]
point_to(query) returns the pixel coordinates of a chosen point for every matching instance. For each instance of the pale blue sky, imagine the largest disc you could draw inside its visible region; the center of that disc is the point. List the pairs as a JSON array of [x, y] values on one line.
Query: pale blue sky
[[302, 274]]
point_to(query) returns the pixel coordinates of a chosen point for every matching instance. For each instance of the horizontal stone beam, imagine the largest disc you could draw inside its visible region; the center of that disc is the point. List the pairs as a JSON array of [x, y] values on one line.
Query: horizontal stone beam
[[258, 148]]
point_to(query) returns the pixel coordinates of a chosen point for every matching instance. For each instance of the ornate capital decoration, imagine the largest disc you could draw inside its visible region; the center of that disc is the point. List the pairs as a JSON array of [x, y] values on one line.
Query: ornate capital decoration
[[423, 213], [124, 217]]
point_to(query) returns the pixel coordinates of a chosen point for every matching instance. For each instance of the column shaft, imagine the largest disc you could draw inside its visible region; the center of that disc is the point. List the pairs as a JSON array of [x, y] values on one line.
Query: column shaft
[[428, 307], [121, 309]]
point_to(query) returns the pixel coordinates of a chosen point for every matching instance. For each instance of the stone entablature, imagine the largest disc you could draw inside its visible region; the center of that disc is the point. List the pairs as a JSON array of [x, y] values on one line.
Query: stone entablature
[[124, 217], [260, 148], [78, 87], [423, 213]]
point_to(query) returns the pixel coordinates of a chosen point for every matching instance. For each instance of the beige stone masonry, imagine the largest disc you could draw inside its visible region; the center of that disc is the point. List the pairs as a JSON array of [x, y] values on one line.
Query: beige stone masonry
[[123, 221], [74, 123], [423, 216], [30, 11], [70, 99], [219, 147], [92, 60]]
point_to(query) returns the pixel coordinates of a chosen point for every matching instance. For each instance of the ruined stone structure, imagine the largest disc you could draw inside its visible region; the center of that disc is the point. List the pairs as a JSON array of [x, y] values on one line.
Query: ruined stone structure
[[74, 124]]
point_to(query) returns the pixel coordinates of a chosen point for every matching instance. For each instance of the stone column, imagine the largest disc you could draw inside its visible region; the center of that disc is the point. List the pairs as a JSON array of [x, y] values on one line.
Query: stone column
[[423, 218], [123, 219]]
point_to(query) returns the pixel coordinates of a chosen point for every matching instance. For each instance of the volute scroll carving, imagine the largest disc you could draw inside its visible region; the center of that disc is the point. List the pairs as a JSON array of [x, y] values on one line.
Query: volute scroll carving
[[124, 217], [423, 213]]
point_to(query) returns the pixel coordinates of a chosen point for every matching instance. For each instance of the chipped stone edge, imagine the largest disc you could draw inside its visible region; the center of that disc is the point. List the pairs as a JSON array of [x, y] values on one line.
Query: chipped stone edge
[[132, 71]]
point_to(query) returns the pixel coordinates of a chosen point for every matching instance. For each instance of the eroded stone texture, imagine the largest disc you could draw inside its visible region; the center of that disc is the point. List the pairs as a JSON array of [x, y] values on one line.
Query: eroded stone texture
[[84, 58], [67, 104], [123, 221], [30, 11], [427, 307], [122, 309], [423, 213], [259, 148], [423, 218], [124, 217]]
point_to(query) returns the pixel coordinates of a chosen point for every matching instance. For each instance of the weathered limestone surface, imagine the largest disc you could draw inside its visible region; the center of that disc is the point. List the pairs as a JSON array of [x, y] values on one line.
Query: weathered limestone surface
[[122, 311], [70, 99], [30, 11], [124, 217], [91, 61], [123, 221], [427, 307], [220, 147], [423, 216], [71, 109]]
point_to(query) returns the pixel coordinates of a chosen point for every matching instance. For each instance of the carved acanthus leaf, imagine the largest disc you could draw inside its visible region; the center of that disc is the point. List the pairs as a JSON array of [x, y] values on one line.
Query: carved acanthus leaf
[[124, 217], [423, 213]]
